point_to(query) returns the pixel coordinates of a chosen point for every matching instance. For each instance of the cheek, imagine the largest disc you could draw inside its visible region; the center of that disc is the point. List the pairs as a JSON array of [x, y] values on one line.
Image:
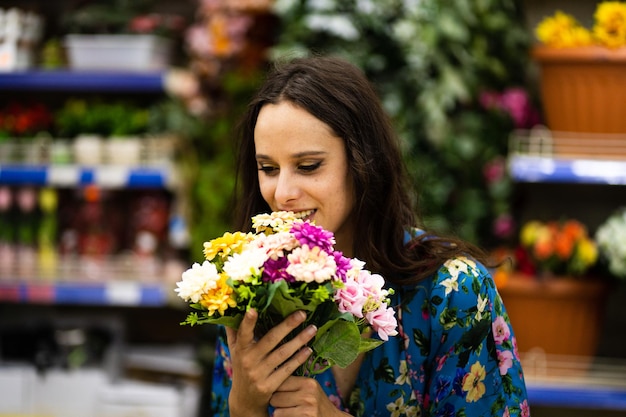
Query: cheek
[[267, 190]]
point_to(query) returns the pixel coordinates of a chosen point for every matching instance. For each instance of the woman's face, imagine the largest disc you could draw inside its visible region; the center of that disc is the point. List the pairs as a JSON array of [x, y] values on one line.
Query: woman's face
[[303, 167]]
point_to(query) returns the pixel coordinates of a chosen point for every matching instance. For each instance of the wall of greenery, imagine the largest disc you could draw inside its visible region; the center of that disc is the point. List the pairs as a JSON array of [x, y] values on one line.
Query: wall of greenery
[[453, 76], [434, 63]]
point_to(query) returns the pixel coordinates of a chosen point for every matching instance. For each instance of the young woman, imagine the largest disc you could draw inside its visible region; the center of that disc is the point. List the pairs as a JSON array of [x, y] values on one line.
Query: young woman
[[315, 140]]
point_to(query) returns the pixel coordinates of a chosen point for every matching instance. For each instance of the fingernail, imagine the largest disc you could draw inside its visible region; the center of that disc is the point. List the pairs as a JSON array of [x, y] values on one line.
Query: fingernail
[[311, 330]]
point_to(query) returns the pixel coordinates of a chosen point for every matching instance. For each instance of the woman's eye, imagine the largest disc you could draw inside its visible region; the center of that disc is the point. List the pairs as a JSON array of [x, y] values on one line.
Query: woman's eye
[[268, 169], [309, 167]]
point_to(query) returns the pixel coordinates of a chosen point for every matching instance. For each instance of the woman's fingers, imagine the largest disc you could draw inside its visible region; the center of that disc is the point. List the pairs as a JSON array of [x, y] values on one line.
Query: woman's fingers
[[245, 334], [278, 333]]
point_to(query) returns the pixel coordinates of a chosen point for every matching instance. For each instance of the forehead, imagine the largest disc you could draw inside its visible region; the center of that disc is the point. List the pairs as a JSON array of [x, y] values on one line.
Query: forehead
[[285, 125]]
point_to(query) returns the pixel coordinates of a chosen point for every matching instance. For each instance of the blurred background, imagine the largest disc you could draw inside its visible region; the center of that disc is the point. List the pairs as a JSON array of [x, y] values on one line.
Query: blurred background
[[116, 164]]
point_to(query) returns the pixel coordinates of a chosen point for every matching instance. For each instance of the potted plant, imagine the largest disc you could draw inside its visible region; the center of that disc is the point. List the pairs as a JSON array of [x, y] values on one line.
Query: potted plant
[[583, 87], [555, 302], [121, 35]]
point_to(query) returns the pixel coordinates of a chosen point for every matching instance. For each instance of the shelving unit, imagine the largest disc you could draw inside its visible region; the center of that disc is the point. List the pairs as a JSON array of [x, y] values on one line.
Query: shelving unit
[[576, 175], [112, 293], [68, 81], [105, 176]]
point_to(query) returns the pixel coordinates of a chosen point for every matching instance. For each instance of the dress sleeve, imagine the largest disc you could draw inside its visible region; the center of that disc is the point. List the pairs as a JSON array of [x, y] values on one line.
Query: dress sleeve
[[222, 377], [475, 368]]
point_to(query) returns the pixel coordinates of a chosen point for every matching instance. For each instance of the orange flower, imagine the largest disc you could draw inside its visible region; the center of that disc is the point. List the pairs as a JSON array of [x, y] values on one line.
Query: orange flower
[[559, 247]]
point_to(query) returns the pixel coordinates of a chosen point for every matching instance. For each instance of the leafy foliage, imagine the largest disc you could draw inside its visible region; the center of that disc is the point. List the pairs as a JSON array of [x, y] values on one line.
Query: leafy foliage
[[430, 61]]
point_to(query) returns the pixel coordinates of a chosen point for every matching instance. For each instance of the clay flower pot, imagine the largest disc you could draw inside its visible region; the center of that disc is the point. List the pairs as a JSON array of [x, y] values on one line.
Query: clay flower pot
[[583, 89]]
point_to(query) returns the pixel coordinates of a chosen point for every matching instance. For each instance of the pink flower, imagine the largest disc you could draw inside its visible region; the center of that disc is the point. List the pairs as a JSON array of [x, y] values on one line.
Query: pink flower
[[383, 321], [504, 226], [501, 330], [505, 361], [351, 299], [524, 409], [494, 170]]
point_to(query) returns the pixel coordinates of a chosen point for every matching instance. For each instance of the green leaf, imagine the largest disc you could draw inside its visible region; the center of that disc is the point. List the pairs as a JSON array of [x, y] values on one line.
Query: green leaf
[[281, 301], [338, 341], [368, 344]]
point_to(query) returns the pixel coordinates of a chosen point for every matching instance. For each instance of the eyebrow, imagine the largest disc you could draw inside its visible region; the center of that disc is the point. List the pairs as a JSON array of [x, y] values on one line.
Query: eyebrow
[[297, 155]]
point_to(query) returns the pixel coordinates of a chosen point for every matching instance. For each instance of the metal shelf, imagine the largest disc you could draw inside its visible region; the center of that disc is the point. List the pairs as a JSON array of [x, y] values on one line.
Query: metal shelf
[[77, 81], [112, 293], [106, 176], [540, 155]]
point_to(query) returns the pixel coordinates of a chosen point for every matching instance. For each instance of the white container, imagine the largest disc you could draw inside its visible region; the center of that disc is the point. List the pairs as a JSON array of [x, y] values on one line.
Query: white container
[[118, 52], [133, 398], [16, 389]]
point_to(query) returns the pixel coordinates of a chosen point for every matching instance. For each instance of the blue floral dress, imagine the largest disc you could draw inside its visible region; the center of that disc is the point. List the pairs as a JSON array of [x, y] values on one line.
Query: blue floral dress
[[455, 355]]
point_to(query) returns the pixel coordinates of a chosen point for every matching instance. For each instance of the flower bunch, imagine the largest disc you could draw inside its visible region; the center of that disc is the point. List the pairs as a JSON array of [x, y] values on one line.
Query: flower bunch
[[563, 30], [24, 120], [162, 24], [558, 247], [290, 264], [611, 240]]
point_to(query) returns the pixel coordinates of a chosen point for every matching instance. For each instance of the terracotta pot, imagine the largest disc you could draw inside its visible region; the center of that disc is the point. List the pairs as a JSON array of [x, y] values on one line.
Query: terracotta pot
[[583, 89], [559, 315]]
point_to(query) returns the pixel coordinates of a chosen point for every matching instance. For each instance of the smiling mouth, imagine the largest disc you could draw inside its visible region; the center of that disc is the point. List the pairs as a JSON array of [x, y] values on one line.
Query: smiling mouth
[[305, 214]]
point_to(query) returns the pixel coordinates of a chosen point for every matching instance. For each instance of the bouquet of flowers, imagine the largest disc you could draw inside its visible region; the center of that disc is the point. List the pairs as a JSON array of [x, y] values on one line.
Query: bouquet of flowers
[[290, 264], [611, 239], [558, 247]]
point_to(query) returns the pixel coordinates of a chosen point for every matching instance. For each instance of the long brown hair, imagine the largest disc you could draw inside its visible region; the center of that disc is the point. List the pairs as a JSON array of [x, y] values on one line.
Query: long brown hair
[[338, 93]]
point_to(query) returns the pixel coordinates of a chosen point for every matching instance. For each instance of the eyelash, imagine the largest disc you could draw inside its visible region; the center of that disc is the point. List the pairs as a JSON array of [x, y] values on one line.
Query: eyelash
[[307, 168]]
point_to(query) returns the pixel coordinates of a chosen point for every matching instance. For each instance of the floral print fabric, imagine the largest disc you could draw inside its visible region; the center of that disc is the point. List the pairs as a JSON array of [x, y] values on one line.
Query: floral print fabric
[[455, 354]]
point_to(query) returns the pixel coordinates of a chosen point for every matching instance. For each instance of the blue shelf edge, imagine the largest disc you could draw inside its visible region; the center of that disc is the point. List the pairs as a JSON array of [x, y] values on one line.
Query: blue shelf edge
[[113, 293], [110, 176], [574, 397], [76, 81], [525, 168]]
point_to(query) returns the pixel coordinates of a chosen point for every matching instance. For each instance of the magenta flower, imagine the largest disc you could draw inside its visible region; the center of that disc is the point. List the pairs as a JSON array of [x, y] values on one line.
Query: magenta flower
[[275, 269], [312, 236]]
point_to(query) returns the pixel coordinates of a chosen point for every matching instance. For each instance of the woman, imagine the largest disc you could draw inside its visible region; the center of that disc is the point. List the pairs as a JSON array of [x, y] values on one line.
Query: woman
[[316, 140]]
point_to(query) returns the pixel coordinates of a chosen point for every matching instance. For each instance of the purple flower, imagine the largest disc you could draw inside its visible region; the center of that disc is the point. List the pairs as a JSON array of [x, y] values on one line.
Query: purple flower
[[343, 265], [312, 236], [276, 269]]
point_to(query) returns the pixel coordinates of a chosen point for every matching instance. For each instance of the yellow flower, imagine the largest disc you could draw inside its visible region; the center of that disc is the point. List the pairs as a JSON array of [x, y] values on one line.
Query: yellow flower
[[610, 24], [562, 30], [226, 245], [587, 251], [219, 298], [473, 382]]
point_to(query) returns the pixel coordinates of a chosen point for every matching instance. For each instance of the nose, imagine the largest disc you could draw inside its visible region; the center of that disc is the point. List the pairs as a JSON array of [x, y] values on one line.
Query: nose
[[287, 189]]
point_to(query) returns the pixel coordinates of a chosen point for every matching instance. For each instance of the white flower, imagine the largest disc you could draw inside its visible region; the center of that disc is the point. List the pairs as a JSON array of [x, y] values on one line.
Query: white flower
[[450, 284], [403, 378], [242, 266], [611, 239], [481, 304], [338, 25], [196, 281], [458, 265]]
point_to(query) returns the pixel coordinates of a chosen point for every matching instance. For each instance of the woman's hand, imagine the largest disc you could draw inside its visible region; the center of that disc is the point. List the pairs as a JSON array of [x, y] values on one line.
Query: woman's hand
[[303, 397], [260, 367]]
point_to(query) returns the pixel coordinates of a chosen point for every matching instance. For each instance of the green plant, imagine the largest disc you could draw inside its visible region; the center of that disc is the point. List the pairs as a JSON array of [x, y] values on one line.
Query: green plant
[[432, 61], [121, 16], [103, 118]]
